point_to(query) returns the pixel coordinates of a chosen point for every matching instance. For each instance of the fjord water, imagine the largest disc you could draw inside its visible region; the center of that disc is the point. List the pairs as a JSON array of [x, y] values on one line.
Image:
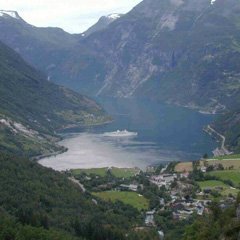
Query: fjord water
[[165, 133]]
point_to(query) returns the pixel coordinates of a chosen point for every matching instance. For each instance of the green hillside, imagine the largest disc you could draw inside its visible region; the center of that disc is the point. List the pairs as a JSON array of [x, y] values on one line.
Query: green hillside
[[32, 108], [229, 125], [43, 202]]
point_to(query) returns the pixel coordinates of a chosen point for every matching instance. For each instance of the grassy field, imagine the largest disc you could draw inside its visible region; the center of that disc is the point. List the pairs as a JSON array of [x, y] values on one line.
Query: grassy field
[[96, 171], [117, 172], [213, 184], [232, 175], [233, 156], [124, 172], [131, 198], [226, 163]]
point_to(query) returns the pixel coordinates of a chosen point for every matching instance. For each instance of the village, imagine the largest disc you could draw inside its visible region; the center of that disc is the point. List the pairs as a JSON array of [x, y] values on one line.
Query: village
[[176, 190]]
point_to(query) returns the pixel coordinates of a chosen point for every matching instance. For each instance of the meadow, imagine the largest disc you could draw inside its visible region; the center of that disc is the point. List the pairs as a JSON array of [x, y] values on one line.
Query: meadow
[[233, 156], [231, 175], [223, 188], [130, 198], [116, 172]]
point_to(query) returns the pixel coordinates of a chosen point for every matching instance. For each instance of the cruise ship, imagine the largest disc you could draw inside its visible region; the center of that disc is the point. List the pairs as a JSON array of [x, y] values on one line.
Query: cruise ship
[[119, 133]]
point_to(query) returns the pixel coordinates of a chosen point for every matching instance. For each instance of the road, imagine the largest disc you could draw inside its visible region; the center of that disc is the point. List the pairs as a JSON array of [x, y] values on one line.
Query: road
[[77, 183], [222, 150]]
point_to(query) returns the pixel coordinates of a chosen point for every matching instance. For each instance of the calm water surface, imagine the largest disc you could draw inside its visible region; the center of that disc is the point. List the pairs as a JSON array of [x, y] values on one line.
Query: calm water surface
[[165, 133]]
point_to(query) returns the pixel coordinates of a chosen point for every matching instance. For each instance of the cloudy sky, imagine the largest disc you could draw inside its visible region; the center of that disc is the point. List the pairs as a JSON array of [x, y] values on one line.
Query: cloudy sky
[[74, 16]]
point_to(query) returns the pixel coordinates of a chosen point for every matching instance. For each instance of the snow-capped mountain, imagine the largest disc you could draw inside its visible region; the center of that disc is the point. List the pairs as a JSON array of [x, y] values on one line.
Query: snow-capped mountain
[[9, 13], [102, 23]]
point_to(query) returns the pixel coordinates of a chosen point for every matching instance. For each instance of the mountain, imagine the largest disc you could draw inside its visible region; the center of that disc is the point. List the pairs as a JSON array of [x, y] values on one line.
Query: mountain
[[32, 108], [40, 47], [184, 52], [102, 24], [8, 14], [172, 50]]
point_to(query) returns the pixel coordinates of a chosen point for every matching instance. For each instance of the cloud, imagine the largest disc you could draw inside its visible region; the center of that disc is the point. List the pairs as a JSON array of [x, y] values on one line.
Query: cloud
[[72, 15]]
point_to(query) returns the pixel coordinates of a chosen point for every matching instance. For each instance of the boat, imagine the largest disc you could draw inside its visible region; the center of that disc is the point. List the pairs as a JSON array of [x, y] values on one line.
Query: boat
[[119, 133]]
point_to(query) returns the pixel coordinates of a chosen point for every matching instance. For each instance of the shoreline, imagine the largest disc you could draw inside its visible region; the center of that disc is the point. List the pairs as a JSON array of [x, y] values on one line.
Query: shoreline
[[72, 126], [219, 151], [64, 149], [39, 157]]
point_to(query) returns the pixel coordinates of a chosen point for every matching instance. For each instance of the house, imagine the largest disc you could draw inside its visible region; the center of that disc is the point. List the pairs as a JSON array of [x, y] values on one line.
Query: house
[[162, 201], [163, 179], [184, 175], [131, 187], [200, 210], [149, 219], [185, 213]]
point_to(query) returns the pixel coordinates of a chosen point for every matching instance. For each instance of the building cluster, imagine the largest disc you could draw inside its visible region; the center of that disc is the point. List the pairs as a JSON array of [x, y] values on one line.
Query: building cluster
[[163, 180], [183, 209]]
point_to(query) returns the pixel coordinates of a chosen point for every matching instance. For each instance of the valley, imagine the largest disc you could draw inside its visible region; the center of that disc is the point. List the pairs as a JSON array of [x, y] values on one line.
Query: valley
[[136, 55], [129, 130]]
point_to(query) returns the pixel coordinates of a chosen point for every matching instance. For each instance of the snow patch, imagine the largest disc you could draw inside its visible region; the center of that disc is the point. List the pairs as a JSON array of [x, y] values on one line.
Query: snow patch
[[114, 16], [212, 2], [13, 14]]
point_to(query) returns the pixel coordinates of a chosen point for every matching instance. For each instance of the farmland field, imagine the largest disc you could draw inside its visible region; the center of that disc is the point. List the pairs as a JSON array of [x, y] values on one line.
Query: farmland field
[[184, 167], [213, 184], [231, 161], [96, 171], [234, 176], [226, 163], [131, 198]]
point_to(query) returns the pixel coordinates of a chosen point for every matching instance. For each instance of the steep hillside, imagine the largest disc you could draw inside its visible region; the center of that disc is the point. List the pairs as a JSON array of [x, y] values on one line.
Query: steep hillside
[[229, 125], [32, 108], [184, 52], [102, 24], [39, 203], [181, 51]]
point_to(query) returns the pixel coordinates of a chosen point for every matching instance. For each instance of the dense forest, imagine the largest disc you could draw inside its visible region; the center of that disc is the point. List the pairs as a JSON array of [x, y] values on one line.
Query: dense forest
[[39, 203]]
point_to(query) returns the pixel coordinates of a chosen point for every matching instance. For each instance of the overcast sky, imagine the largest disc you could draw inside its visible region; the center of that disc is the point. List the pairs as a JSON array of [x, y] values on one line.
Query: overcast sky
[[74, 16]]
